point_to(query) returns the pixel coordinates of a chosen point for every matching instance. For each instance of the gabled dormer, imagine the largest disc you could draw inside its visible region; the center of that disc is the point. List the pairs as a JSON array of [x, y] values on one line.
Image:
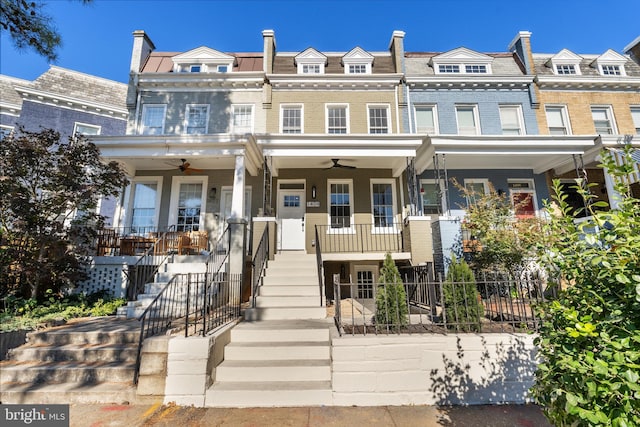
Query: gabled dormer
[[610, 63], [203, 60], [357, 61], [310, 61], [462, 61], [565, 63]]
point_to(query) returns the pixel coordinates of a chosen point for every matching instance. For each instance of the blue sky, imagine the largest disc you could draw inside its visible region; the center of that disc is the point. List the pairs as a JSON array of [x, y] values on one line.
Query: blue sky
[[97, 38]]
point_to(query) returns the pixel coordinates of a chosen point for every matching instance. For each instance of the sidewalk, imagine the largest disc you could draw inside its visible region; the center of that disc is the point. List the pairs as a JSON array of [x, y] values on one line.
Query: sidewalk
[[334, 416]]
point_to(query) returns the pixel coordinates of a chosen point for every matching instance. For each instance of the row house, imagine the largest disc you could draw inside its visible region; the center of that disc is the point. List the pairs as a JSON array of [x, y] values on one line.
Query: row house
[[67, 101]]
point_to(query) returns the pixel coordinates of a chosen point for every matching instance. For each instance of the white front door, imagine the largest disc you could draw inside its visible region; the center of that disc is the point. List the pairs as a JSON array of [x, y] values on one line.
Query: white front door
[[291, 211]]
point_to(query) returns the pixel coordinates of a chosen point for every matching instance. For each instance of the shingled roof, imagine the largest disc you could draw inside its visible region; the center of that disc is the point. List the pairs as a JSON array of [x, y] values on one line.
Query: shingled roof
[[8, 95], [587, 66], [504, 64]]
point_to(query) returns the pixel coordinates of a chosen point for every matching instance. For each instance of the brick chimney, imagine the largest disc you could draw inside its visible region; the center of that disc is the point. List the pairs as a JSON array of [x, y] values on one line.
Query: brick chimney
[[396, 46], [269, 50], [633, 50], [521, 45]]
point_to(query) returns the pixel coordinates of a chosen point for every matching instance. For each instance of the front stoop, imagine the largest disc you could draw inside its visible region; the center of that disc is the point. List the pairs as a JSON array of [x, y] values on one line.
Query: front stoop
[[85, 361], [273, 364]]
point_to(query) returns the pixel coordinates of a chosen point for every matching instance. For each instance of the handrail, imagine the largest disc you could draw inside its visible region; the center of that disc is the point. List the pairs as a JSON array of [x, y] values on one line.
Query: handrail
[[145, 268], [218, 254], [320, 267], [361, 238], [259, 265]]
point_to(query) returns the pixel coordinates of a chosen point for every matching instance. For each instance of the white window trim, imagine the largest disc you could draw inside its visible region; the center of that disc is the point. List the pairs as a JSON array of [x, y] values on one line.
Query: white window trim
[[129, 195], [175, 194], [384, 230], [389, 124], [291, 106], [612, 119], [565, 116], [443, 196], [164, 118], [462, 68], [225, 189], [636, 125], [483, 181], [531, 190], [326, 117], [518, 107], [233, 107], [300, 63], [434, 109], [576, 68], [76, 124], [348, 65], [346, 230], [373, 269], [476, 118], [623, 72], [186, 118]]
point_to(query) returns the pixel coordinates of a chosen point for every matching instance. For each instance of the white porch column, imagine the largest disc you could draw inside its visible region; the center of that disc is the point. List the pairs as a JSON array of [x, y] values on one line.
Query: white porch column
[[237, 224], [237, 196], [614, 196]]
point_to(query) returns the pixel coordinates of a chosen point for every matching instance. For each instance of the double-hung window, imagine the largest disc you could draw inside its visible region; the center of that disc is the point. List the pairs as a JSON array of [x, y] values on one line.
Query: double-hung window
[[635, 115], [476, 188], [467, 116], [153, 119], [340, 203], [603, 120], [311, 69], [337, 120], [378, 119], [426, 120], [291, 119], [433, 200], [145, 203], [510, 118], [382, 202], [557, 120], [242, 121], [85, 129], [197, 117]]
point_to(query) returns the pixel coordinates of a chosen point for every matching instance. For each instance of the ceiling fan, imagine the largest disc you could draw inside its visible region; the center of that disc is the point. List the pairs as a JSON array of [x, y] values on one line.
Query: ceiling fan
[[338, 165], [185, 167]]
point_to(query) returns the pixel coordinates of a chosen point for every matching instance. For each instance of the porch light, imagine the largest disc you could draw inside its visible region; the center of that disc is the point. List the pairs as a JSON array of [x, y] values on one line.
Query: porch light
[[212, 193], [313, 192]]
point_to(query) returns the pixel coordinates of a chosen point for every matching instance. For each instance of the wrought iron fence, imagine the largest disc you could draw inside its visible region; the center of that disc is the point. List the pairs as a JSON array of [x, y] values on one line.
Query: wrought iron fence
[[259, 264], [360, 238], [491, 303], [319, 264]]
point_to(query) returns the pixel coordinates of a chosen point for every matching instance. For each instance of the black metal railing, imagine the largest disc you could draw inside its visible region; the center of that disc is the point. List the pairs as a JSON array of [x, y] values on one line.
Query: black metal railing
[[219, 254], [145, 269], [490, 303], [320, 266], [360, 238], [191, 303], [259, 264]]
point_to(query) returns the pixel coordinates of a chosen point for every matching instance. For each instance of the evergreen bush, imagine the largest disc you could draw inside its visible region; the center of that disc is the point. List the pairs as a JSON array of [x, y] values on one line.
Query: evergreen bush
[[392, 311], [462, 306]]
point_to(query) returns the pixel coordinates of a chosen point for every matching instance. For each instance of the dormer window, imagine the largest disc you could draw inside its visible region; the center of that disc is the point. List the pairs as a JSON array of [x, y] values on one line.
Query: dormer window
[[565, 63], [310, 62], [462, 61], [223, 68], [357, 61], [203, 60], [610, 63], [195, 68]]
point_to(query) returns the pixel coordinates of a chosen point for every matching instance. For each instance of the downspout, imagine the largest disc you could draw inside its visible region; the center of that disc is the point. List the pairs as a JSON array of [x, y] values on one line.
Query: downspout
[[395, 92], [409, 110]]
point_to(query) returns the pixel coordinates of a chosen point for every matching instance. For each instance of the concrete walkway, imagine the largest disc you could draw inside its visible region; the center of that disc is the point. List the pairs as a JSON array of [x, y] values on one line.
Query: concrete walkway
[[397, 416]]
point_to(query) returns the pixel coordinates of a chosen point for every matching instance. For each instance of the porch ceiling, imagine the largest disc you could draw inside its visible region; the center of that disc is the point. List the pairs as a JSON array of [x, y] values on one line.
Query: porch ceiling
[[537, 152]]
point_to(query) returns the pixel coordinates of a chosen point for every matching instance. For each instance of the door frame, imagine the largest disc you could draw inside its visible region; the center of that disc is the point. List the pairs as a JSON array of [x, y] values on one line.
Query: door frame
[[303, 205], [175, 194]]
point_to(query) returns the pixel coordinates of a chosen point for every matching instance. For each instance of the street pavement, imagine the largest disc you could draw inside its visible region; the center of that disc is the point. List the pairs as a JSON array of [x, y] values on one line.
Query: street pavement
[[102, 415]]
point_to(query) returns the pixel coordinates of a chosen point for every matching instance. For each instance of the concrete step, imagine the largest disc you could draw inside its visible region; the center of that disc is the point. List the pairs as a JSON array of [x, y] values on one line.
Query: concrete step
[[281, 331], [306, 350], [291, 269], [285, 313], [299, 290], [66, 372], [273, 370], [309, 280], [286, 301], [62, 337], [67, 393], [82, 353], [184, 268], [155, 287], [269, 394]]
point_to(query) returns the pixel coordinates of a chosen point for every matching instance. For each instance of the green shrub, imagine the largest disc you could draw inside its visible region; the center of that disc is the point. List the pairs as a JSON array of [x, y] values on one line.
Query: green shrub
[[590, 337], [391, 299], [462, 304]]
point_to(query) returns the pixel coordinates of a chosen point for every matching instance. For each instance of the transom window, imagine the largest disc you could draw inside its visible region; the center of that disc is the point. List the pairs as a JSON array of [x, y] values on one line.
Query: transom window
[[565, 69], [611, 70], [242, 118], [85, 129], [337, 119], [311, 68], [635, 115], [449, 68], [382, 204], [557, 120], [602, 120], [153, 119], [475, 69], [340, 204], [357, 68], [292, 119], [426, 119], [467, 120], [378, 119], [197, 117], [510, 120]]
